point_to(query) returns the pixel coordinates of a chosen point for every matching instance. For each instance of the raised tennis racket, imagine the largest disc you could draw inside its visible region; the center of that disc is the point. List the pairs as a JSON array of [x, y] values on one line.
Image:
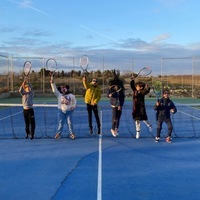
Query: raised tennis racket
[[157, 88], [114, 89], [84, 62], [51, 66], [27, 69], [145, 71]]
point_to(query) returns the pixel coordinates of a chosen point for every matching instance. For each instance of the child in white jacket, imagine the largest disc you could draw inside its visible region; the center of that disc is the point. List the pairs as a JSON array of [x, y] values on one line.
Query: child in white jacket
[[66, 106]]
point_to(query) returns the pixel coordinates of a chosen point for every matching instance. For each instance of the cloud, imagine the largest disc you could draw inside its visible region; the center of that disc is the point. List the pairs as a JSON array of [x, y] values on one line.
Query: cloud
[[35, 33], [7, 29], [161, 37]]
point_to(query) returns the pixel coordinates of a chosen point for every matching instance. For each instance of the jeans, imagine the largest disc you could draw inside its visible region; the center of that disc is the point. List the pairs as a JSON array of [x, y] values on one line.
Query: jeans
[[116, 115], [68, 117], [169, 125]]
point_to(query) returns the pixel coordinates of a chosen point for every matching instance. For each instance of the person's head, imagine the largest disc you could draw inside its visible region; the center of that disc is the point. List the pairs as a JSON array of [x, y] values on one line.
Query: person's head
[[139, 86], [64, 89], [27, 87], [94, 81], [166, 93]]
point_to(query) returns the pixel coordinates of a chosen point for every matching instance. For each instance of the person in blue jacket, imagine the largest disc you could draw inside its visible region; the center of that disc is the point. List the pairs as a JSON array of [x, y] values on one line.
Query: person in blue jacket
[[164, 108]]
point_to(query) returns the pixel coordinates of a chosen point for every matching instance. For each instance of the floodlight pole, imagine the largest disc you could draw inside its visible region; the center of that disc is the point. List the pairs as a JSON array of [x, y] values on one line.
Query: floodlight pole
[[192, 76]]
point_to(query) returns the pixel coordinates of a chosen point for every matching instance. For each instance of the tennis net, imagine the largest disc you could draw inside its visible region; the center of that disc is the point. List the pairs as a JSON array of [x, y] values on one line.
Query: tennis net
[[186, 121]]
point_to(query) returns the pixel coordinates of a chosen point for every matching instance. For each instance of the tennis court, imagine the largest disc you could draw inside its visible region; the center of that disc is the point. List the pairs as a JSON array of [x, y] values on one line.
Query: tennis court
[[99, 167]]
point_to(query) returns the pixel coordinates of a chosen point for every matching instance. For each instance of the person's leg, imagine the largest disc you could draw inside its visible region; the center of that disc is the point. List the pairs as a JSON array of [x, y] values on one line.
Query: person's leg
[[170, 127], [32, 122], [137, 126], [159, 128], [26, 120], [89, 110], [61, 120], [118, 116], [70, 123], [148, 124], [96, 114], [114, 118]]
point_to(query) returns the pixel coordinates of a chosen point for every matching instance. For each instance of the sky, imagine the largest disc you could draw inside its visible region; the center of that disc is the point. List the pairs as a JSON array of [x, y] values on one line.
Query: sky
[[125, 34]]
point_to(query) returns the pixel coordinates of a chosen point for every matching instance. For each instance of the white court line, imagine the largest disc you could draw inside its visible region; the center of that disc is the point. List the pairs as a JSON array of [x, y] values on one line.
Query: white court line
[[10, 115], [99, 183], [189, 115]]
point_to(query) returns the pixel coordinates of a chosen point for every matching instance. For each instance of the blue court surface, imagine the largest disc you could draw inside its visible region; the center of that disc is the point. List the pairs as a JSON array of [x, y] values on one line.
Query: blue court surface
[[93, 167]]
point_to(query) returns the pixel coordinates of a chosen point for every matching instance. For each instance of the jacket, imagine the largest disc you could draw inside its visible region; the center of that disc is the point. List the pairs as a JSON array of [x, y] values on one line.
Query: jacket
[[163, 109], [93, 93], [66, 102]]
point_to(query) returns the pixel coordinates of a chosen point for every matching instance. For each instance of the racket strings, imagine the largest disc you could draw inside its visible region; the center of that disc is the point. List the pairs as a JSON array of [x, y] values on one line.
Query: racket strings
[[51, 64], [144, 71], [27, 67], [84, 61], [157, 87]]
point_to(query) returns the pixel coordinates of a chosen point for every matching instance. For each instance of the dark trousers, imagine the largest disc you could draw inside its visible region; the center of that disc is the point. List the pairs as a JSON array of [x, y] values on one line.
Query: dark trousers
[[94, 109], [116, 115], [29, 119], [159, 126]]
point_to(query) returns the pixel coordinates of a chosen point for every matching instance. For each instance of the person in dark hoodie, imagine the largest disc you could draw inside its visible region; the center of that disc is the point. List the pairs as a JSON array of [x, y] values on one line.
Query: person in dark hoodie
[[117, 98], [27, 94], [164, 108], [66, 106]]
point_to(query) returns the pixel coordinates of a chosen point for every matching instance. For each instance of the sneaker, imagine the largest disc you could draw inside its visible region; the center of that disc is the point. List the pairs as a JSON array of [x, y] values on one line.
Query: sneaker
[[72, 136], [150, 128], [168, 139], [32, 136], [57, 136], [113, 132], [137, 135], [157, 139]]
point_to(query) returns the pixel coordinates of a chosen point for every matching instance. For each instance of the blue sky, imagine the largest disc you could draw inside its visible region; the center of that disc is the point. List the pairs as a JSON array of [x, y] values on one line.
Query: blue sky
[[121, 34]]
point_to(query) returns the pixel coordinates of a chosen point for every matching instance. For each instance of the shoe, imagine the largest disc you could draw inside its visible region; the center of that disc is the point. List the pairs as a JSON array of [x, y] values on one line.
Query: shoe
[[32, 136], [157, 139], [26, 136], [150, 128], [99, 131], [113, 132], [137, 135], [57, 136], [72, 136], [168, 139]]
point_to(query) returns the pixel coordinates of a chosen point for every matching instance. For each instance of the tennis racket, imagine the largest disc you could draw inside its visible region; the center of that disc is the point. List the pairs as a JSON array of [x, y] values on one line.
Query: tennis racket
[[157, 88], [51, 66], [27, 69], [145, 71], [114, 89], [84, 62]]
